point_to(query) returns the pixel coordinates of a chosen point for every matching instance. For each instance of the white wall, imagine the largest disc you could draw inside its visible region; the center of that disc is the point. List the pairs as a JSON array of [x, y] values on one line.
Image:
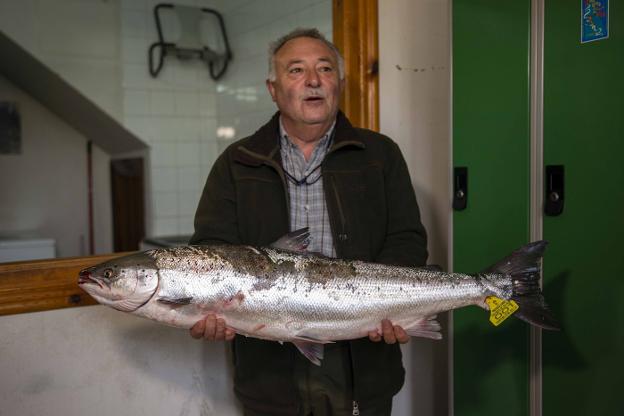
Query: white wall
[[96, 361], [100, 47], [78, 39], [174, 113], [44, 189], [415, 111], [243, 101], [180, 112], [178, 115]]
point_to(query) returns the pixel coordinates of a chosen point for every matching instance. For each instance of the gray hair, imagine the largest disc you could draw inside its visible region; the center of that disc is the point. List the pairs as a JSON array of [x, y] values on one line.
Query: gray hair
[[302, 33]]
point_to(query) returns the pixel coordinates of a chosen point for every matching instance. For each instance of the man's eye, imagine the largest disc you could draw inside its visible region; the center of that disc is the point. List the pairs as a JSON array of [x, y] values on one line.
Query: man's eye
[[295, 70], [327, 69]]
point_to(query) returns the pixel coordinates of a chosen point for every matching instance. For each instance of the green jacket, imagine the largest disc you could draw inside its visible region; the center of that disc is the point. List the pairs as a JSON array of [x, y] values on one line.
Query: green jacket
[[374, 217]]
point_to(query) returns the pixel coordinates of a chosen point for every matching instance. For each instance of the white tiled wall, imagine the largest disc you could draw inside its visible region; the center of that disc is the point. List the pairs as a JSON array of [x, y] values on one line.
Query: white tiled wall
[[243, 102], [101, 47], [175, 113], [180, 112], [77, 39]]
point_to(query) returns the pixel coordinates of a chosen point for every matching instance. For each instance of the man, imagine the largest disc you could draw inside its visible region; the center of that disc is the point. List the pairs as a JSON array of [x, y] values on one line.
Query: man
[[308, 167]]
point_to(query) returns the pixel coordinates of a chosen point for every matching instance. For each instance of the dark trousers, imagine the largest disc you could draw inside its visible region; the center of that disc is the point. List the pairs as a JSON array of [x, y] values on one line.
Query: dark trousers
[[327, 390]]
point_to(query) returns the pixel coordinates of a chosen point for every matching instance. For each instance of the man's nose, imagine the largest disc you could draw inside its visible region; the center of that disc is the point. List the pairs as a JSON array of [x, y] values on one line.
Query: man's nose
[[313, 79]]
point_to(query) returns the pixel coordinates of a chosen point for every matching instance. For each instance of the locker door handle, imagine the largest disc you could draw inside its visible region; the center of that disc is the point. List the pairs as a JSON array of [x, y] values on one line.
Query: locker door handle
[[460, 188], [554, 197]]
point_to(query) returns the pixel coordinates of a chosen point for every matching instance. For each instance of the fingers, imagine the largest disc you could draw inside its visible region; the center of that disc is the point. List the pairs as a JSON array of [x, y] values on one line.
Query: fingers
[[212, 328], [388, 332], [401, 335], [197, 331], [374, 336], [391, 334], [229, 334], [219, 331]]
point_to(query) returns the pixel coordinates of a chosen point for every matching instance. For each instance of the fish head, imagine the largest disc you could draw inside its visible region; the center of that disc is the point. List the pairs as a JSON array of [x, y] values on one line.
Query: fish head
[[125, 283]]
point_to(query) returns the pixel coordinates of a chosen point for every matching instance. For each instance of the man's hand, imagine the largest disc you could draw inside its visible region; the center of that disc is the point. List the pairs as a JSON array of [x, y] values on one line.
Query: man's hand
[[389, 333], [212, 329]]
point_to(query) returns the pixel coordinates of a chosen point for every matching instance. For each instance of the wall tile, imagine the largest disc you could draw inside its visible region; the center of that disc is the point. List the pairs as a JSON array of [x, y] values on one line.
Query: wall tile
[[187, 103], [164, 179], [208, 152], [142, 126], [134, 23], [136, 102], [164, 155], [208, 129], [165, 226], [207, 104], [187, 153], [188, 201], [135, 76], [185, 225], [188, 178], [134, 50], [162, 103], [167, 128], [136, 5], [165, 204], [185, 74], [188, 129]]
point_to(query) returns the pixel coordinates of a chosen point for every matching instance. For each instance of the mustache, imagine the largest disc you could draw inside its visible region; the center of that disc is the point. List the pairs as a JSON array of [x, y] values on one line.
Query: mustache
[[313, 93]]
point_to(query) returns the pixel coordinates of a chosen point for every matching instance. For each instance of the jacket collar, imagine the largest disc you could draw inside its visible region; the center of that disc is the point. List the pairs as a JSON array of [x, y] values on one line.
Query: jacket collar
[[263, 145]]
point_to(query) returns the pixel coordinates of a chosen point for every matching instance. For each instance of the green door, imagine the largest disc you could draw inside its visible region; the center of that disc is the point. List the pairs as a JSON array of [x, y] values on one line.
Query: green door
[[583, 366], [491, 138]]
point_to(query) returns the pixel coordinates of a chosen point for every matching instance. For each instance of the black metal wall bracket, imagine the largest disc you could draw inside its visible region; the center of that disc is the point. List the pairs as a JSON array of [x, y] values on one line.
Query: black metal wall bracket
[[213, 59]]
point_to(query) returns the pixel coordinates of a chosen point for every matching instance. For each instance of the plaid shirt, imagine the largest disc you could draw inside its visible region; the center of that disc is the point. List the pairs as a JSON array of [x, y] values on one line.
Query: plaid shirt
[[305, 189]]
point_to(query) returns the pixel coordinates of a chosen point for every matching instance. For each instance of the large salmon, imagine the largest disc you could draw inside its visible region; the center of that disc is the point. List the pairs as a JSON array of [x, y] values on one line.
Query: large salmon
[[282, 293]]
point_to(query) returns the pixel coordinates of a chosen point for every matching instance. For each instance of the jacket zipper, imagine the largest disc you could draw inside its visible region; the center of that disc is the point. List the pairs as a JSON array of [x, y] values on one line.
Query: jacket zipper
[[342, 237]]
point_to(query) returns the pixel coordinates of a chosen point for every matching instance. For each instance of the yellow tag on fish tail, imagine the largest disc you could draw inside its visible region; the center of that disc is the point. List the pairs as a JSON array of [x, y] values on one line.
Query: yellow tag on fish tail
[[500, 309]]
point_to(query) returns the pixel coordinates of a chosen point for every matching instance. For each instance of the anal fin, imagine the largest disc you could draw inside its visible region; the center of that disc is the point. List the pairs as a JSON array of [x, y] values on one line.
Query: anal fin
[[427, 327], [313, 351]]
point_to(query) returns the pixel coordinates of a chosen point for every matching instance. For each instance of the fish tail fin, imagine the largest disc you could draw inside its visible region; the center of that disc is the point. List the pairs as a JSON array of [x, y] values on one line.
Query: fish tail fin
[[524, 267]]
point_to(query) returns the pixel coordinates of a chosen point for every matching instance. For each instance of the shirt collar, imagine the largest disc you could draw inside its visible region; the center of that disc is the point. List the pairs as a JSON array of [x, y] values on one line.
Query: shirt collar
[[285, 139]]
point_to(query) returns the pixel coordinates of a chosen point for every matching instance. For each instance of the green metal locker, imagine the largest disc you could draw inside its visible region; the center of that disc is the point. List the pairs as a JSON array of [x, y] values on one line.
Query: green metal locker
[[583, 136]]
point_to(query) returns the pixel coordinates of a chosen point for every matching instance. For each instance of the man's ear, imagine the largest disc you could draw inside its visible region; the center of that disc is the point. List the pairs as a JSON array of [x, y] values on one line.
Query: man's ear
[[271, 89]]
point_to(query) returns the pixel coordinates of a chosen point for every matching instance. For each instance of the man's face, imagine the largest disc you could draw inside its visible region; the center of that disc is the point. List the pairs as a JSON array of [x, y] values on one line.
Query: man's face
[[307, 84]]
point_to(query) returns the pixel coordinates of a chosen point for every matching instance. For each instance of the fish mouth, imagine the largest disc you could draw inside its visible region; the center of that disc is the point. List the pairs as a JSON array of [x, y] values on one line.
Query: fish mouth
[[85, 278]]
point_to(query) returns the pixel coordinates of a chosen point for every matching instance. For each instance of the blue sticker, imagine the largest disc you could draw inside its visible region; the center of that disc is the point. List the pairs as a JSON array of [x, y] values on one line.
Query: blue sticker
[[594, 20]]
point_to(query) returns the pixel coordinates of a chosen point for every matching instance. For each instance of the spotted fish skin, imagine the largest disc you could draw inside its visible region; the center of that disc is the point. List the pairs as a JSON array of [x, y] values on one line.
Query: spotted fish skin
[[283, 295]]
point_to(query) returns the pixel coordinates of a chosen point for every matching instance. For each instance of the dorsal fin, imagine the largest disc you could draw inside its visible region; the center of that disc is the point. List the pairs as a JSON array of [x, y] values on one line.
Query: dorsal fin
[[296, 241]]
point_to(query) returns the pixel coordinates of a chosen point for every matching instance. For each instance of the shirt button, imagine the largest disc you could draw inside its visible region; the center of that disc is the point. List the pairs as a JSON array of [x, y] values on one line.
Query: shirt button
[[306, 207]]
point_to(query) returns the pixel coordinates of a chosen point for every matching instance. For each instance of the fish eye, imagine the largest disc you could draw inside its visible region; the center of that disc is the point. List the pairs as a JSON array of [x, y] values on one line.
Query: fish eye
[[108, 273]]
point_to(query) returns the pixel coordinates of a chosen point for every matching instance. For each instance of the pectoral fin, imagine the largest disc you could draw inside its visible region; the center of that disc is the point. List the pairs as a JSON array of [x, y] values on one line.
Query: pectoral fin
[[175, 302]]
